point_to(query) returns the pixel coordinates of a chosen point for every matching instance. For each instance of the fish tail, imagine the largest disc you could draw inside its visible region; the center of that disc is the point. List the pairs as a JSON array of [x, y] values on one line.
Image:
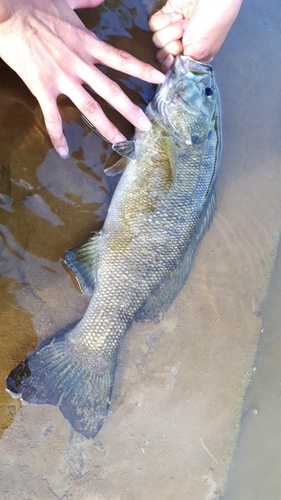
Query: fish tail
[[67, 375]]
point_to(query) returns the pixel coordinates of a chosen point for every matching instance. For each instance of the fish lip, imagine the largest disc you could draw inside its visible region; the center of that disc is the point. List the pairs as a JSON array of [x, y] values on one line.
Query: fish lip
[[188, 64]]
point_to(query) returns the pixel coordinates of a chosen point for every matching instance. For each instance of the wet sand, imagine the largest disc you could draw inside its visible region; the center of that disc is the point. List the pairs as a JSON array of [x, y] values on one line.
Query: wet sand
[[178, 394], [255, 473]]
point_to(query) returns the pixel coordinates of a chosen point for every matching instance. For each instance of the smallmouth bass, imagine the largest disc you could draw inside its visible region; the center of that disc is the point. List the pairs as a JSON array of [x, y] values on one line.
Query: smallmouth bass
[[135, 266]]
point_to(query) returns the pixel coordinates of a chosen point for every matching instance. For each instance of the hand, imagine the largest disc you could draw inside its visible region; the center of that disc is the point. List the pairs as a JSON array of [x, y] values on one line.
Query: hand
[[196, 28], [45, 42]]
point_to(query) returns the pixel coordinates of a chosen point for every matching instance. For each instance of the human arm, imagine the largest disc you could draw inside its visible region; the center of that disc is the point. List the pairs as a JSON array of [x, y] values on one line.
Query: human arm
[[49, 47], [196, 28]]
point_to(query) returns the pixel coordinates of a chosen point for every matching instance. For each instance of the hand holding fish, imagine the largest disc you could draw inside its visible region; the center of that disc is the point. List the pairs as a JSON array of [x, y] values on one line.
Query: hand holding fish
[[49, 47], [196, 28]]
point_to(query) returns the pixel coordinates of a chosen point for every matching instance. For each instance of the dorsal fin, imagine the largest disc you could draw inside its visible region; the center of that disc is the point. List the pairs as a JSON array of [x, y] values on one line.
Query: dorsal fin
[[82, 261]]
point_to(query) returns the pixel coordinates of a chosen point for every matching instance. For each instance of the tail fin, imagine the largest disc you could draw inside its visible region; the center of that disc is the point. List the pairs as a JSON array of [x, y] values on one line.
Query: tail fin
[[69, 376]]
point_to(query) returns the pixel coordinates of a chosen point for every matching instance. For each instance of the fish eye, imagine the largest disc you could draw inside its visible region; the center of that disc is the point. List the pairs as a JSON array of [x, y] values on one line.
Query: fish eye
[[209, 91]]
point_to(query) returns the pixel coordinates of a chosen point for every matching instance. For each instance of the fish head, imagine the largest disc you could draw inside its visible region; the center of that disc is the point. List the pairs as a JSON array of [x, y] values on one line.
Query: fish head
[[187, 102]]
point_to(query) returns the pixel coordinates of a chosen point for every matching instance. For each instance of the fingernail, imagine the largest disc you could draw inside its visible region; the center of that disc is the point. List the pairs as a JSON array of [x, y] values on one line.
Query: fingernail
[[63, 151], [158, 77], [144, 124], [119, 138], [167, 62]]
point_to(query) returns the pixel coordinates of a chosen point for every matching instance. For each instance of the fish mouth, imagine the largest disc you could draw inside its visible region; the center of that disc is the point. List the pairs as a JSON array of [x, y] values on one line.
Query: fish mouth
[[189, 65], [184, 65]]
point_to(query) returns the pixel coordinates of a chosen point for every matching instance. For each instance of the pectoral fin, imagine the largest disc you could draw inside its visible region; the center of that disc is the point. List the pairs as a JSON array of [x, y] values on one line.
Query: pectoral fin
[[115, 164], [199, 132], [126, 148], [118, 159]]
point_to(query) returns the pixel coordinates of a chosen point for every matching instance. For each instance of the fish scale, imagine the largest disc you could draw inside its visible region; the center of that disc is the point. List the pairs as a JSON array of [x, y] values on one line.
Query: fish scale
[[135, 266]]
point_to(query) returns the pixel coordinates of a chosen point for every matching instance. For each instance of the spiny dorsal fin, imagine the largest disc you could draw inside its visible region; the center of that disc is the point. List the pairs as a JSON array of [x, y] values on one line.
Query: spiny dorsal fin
[[126, 148], [83, 262]]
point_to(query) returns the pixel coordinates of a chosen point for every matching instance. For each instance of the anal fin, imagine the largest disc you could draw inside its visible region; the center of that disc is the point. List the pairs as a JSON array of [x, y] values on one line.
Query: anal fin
[[82, 261]]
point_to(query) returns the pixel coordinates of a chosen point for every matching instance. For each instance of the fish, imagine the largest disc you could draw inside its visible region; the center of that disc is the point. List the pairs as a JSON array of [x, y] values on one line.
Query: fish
[[134, 267]]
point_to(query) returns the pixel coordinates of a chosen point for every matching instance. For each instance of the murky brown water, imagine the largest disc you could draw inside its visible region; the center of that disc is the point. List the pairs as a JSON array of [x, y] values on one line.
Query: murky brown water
[[44, 200], [180, 384]]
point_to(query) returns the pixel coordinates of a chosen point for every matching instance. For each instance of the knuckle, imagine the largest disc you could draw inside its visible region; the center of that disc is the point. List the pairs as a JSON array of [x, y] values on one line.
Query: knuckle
[[51, 119], [55, 137], [113, 90], [198, 51], [91, 107], [124, 57], [134, 114], [174, 48], [156, 40], [54, 126]]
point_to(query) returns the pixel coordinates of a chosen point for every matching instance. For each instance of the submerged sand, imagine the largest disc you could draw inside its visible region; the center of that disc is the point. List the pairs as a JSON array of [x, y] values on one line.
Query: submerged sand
[[180, 384]]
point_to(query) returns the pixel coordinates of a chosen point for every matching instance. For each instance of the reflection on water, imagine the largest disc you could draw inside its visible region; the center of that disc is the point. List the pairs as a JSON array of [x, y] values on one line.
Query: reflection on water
[[180, 384]]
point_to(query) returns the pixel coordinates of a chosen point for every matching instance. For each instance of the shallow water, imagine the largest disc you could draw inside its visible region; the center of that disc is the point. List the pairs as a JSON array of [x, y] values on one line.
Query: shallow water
[[180, 384], [255, 473]]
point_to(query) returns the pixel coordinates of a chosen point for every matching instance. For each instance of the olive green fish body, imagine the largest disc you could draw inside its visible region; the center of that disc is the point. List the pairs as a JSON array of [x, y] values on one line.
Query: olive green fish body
[[135, 266]]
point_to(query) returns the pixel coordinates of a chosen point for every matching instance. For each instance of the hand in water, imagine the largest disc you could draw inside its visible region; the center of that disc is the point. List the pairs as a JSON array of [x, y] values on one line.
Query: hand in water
[[48, 46], [196, 28]]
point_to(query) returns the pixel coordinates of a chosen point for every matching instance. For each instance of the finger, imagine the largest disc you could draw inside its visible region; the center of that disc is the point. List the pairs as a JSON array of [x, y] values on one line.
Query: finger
[[208, 28], [173, 48], [92, 110], [83, 4], [167, 63], [169, 34], [160, 20], [53, 124], [122, 61], [112, 93]]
